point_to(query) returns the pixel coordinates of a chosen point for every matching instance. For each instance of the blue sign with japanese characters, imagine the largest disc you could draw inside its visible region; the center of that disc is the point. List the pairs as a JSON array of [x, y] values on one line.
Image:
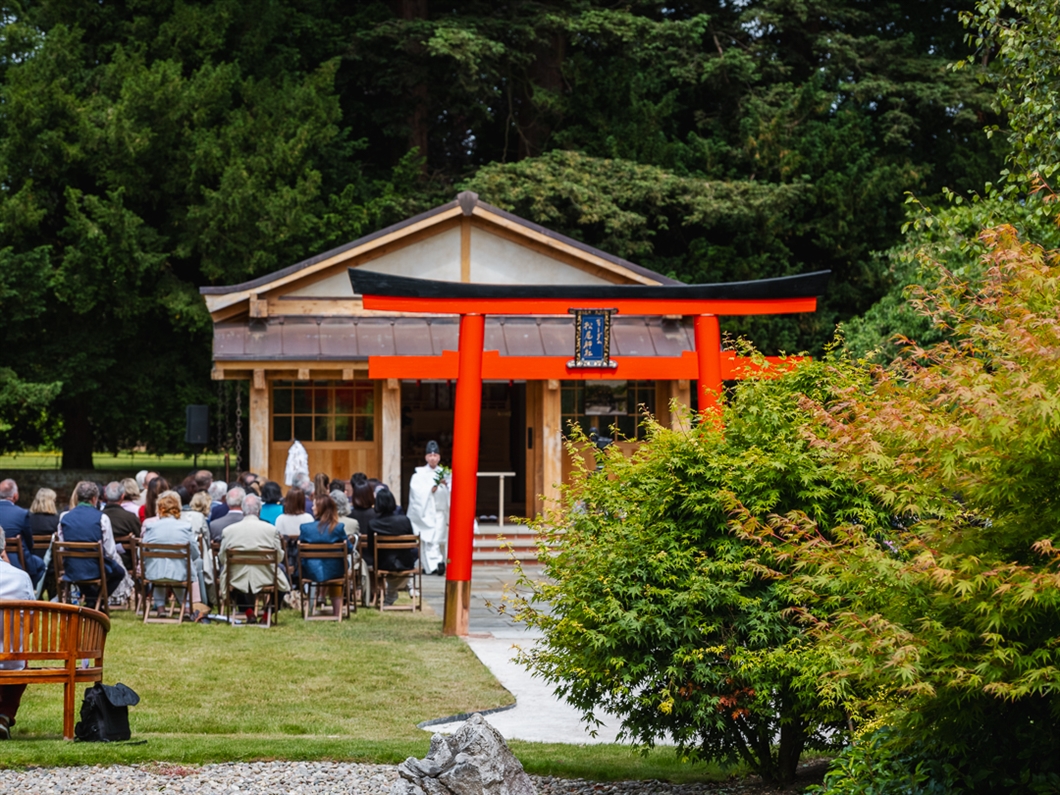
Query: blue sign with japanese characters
[[592, 343]]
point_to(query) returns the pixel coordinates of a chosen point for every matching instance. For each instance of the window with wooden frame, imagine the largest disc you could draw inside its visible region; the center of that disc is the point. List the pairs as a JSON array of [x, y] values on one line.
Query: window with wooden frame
[[323, 411], [607, 404]]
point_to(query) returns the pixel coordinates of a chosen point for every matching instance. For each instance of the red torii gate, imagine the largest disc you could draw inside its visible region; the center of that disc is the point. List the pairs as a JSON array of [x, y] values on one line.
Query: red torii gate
[[472, 302]]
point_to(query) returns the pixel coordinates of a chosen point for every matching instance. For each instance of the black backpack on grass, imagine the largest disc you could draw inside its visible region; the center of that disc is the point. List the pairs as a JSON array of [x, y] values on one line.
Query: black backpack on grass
[[105, 713]]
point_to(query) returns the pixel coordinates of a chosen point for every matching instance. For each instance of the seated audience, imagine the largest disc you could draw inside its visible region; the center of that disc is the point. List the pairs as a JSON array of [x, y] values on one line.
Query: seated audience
[[155, 486], [130, 501], [218, 507], [271, 501], [327, 529], [86, 523], [250, 534], [43, 515], [388, 523], [200, 531], [15, 521], [294, 513], [169, 528], [234, 499]]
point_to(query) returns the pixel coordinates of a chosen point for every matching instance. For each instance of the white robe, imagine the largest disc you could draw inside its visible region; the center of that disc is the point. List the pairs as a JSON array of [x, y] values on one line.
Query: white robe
[[429, 520]]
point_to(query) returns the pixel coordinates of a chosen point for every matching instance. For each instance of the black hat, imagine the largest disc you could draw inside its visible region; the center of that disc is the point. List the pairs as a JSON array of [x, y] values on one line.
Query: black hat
[[432, 447]]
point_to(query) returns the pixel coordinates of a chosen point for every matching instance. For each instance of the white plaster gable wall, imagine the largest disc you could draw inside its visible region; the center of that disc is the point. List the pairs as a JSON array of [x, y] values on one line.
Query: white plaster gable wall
[[495, 260], [436, 257]]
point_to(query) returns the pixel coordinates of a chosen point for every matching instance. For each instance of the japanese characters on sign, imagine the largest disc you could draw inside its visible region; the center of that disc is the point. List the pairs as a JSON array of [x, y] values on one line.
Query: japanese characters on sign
[[592, 338]]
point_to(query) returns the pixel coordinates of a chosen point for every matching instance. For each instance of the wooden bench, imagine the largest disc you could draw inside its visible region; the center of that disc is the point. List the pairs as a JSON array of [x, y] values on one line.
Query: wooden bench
[[66, 641]]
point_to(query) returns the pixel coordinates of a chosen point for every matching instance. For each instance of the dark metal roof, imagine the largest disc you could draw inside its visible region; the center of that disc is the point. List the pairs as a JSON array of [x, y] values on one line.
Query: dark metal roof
[[804, 285], [353, 339], [467, 201]]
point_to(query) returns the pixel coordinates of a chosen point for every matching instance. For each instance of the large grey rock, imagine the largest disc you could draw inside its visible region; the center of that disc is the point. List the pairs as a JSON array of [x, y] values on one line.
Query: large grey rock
[[473, 761]]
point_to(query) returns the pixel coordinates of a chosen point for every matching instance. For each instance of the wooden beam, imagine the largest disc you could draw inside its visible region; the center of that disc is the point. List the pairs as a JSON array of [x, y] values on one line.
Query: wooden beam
[[554, 369], [347, 373], [391, 441], [259, 307], [259, 427], [551, 445], [465, 249], [217, 374], [259, 379], [303, 373]]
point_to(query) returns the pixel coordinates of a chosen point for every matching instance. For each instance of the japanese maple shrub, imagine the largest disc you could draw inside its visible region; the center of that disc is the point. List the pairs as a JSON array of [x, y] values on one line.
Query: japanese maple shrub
[[665, 616]]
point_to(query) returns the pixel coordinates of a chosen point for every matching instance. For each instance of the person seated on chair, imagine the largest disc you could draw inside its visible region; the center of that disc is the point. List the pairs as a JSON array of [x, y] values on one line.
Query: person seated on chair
[[250, 534], [86, 523], [122, 522], [171, 529], [15, 522], [14, 584], [327, 529], [388, 523]]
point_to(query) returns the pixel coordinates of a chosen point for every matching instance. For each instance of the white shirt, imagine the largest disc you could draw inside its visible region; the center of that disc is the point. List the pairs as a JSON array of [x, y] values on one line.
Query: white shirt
[[289, 525], [14, 584]]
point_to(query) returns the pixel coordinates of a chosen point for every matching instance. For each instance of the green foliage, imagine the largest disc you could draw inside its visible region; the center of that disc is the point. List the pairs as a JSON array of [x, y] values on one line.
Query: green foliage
[[872, 767], [946, 234], [1018, 51], [954, 634], [659, 613]]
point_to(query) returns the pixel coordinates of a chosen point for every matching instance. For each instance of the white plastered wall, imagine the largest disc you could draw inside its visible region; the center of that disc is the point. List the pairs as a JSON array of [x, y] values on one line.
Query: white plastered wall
[[495, 260]]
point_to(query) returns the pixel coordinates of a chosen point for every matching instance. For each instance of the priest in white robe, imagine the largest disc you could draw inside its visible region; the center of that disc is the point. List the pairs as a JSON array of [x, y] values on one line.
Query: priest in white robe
[[428, 509]]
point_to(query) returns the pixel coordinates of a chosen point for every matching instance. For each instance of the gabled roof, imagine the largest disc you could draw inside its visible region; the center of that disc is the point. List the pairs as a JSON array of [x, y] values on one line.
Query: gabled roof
[[466, 204]]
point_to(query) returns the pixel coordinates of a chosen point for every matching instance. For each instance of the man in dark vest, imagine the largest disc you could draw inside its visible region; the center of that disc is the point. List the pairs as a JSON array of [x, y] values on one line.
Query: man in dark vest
[[87, 523], [15, 521]]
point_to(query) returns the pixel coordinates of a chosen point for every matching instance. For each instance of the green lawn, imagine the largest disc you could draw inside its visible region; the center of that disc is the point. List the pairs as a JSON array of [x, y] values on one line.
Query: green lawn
[[300, 691], [109, 461]]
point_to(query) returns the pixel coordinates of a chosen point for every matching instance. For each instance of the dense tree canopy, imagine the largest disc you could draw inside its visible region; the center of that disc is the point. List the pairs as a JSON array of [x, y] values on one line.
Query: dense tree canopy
[[148, 149]]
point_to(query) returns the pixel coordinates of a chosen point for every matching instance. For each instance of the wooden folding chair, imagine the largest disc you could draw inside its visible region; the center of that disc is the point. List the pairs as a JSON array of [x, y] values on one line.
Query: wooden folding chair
[[395, 544], [336, 551], [264, 558], [65, 551], [155, 551], [13, 547]]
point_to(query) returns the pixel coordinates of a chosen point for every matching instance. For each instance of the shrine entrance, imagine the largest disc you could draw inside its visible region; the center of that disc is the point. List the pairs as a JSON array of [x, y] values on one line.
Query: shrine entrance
[[427, 412]]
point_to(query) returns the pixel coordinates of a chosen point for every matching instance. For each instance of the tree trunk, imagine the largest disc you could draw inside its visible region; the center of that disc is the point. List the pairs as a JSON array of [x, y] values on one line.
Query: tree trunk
[[545, 73], [792, 741], [419, 127], [77, 435]]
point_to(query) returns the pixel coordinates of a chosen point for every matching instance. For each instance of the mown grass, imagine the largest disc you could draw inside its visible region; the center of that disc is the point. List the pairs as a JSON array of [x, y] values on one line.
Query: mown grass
[[110, 461], [301, 691]]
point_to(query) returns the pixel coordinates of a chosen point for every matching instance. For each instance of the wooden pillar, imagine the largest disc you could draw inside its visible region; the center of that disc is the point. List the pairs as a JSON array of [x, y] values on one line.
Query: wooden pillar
[[534, 475], [467, 423], [552, 451], [391, 468], [708, 352], [681, 397], [259, 426]]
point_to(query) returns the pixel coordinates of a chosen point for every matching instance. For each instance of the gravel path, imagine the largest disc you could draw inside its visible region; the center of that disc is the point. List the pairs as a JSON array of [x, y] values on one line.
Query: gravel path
[[296, 778]]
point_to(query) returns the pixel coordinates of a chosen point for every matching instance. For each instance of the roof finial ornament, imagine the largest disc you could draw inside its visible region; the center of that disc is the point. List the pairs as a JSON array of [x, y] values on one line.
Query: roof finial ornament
[[467, 200]]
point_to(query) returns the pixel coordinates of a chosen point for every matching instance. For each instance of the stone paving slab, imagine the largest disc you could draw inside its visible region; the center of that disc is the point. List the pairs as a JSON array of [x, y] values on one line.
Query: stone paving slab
[[538, 715]]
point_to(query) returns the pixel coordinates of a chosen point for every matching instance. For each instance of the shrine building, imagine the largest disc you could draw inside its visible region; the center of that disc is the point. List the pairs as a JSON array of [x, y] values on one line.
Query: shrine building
[[365, 390]]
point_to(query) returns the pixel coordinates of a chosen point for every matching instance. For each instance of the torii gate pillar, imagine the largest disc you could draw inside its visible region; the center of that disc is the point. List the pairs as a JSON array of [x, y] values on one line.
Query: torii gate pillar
[[467, 423], [708, 352]]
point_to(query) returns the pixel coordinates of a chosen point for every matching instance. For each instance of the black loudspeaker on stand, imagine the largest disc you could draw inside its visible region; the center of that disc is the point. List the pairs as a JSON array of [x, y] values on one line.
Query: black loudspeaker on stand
[[197, 425]]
